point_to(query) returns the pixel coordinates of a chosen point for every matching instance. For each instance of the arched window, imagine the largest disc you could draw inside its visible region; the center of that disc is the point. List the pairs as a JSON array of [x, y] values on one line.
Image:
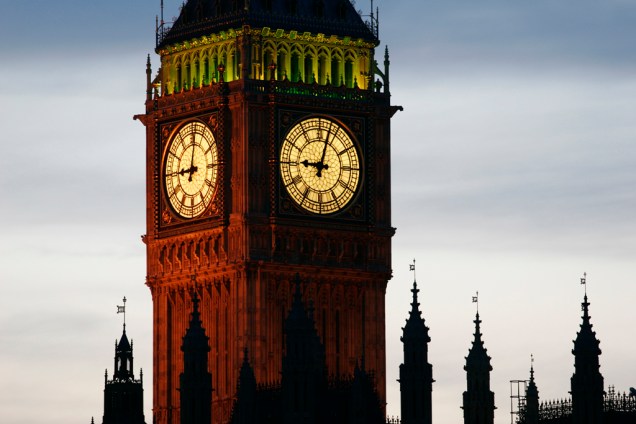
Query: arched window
[[309, 69], [281, 65], [335, 72], [178, 76], [295, 67], [197, 72], [322, 70], [188, 78], [268, 58], [206, 71], [348, 73]]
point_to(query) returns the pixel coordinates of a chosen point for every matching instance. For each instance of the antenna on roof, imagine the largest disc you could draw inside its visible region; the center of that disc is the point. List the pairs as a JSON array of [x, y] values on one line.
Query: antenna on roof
[[161, 12]]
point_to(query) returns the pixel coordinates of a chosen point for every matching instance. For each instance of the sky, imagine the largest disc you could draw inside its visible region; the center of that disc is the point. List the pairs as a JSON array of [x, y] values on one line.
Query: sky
[[513, 173]]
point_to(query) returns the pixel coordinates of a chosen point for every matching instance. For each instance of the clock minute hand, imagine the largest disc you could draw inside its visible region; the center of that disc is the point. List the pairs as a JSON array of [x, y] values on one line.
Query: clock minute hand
[[323, 165], [193, 168]]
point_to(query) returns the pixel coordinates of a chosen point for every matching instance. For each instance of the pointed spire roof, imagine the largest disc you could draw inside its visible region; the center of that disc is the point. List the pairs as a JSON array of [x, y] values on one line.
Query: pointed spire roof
[[298, 318], [477, 355], [415, 327], [531, 390], [246, 374], [124, 345], [123, 358], [195, 338], [586, 342], [205, 17]]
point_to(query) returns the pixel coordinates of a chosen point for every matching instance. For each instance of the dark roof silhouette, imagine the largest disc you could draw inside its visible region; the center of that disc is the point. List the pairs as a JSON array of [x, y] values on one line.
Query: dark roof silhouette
[[477, 355], [330, 17]]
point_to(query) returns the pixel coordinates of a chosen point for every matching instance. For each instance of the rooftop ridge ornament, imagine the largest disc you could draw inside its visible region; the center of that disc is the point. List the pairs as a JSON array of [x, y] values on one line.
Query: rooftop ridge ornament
[[122, 310]]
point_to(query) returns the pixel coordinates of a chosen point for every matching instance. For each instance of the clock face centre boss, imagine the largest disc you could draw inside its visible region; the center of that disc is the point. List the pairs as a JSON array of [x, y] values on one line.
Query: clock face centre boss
[[191, 169], [320, 165]]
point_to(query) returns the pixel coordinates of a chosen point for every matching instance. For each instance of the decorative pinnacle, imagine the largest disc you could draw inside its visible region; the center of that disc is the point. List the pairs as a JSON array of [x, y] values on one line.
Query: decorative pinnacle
[[412, 268], [584, 282], [122, 310], [476, 300], [531, 367]]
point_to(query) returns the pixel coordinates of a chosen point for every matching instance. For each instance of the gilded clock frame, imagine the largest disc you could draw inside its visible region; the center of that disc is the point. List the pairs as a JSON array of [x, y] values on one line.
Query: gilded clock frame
[[169, 220], [356, 129]]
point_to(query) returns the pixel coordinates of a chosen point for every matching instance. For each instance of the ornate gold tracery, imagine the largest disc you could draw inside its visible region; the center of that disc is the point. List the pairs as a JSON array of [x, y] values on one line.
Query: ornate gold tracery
[[301, 58]]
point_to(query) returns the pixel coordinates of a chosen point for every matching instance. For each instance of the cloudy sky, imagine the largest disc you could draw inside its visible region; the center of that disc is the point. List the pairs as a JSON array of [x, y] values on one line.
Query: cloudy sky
[[514, 171]]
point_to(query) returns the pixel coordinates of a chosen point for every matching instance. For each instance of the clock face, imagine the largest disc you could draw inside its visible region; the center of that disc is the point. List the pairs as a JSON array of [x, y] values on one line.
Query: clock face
[[319, 165], [191, 169]]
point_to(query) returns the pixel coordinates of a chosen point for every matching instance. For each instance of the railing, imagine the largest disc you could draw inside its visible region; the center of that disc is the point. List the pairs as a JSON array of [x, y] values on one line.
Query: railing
[[555, 409], [276, 88], [620, 403]]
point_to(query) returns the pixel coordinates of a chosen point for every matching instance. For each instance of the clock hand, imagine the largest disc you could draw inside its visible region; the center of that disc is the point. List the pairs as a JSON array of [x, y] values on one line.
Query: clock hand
[[322, 158], [192, 167], [183, 171], [318, 165]]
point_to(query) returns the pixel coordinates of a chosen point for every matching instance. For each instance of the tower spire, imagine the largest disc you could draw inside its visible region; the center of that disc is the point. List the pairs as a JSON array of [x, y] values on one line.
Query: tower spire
[[195, 380], [416, 374], [531, 411], [478, 399], [587, 381], [123, 395]]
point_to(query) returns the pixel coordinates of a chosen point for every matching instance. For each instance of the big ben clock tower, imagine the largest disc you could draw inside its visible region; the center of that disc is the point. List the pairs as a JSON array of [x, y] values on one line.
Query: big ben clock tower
[[268, 155]]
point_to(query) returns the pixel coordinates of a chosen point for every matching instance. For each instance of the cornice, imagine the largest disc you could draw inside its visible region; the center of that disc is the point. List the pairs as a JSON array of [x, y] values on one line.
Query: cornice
[[265, 33]]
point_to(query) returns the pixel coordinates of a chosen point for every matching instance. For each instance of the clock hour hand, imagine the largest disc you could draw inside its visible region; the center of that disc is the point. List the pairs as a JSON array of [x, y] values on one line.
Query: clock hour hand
[[318, 165], [191, 170]]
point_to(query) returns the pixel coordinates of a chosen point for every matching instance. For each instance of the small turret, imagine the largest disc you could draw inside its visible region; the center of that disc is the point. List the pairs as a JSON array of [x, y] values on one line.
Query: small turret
[[479, 401], [195, 380], [123, 395], [531, 411], [304, 379], [416, 374], [587, 381], [244, 410]]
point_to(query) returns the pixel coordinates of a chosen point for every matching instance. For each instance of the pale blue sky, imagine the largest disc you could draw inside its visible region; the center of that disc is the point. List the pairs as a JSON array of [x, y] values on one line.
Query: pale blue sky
[[514, 171]]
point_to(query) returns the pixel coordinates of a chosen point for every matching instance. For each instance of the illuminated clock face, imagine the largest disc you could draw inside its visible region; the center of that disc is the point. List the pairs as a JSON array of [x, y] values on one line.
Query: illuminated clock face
[[191, 169], [319, 165]]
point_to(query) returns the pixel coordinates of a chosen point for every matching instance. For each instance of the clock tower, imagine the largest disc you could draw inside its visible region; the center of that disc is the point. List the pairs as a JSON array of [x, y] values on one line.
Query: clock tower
[[268, 155]]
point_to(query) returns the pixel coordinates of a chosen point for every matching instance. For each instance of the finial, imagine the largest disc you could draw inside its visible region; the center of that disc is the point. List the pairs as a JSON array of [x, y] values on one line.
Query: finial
[[584, 282], [412, 268], [476, 300], [122, 310], [531, 367]]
